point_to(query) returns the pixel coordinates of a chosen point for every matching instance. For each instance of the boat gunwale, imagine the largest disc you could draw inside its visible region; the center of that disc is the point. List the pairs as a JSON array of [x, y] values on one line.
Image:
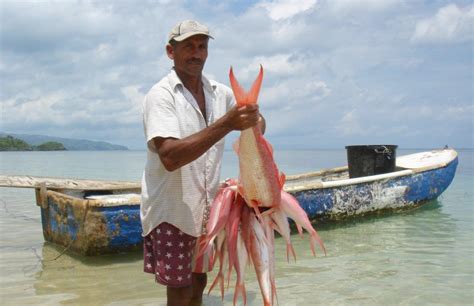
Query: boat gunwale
[[99, 203], [29, 181]]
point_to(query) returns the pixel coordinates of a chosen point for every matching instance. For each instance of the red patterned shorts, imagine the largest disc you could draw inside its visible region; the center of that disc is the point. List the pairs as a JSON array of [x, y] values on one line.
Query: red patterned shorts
[[170, 255]]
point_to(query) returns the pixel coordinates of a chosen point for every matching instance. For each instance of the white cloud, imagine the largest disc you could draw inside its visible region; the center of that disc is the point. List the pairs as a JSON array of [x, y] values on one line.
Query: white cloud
[[350, 125], [37, 111], [285, 9], [285, 32], [450, 24], [134, 101], [278, 65], [361, 5], [318, 89]]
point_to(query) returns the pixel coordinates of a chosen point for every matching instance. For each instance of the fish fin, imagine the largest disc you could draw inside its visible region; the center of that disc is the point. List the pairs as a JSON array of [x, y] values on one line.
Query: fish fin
[[241, 96], [315, 237], [240, 290], [257, 212], [236, 146], [267, 144], [254, 91], [282, 180], [240, 191], [270, 211], [218, 280], [289, 248], [274, 291], [239, 93]]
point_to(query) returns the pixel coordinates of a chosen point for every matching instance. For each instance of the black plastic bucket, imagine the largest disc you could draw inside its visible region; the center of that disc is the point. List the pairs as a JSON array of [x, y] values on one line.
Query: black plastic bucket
[[370, 159]]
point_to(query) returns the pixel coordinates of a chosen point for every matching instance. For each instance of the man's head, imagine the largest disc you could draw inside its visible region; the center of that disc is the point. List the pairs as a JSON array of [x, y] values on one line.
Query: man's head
[[187, 47]]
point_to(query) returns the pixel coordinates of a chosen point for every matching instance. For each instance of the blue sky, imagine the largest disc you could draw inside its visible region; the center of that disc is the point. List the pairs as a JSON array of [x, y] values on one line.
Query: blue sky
[[337, 72]]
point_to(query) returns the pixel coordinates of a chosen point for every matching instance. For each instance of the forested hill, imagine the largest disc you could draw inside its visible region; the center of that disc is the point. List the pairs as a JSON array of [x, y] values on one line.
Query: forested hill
[[10, 143], [68, 143]]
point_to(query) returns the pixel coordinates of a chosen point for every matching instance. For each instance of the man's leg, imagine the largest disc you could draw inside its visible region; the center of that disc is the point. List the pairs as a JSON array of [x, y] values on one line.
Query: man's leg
[[181, 296], [199, 283], [168, 254]]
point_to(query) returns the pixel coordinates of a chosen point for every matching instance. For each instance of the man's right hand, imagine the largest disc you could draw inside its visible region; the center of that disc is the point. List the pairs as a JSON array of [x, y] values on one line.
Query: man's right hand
[[242, 117]]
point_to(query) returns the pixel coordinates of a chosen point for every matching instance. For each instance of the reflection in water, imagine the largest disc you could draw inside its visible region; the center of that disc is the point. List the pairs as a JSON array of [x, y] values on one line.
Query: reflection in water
[[91, 280], [363, 254]]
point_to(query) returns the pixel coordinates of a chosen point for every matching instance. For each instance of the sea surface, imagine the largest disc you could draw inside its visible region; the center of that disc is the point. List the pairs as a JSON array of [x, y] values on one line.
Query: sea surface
[[423, 256]]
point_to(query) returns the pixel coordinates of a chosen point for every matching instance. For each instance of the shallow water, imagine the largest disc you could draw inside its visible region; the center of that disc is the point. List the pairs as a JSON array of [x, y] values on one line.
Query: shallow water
[[418, 257]]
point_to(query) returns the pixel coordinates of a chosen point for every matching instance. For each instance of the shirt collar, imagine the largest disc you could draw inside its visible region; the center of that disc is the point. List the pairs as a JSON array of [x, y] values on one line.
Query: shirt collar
[[208, 85]]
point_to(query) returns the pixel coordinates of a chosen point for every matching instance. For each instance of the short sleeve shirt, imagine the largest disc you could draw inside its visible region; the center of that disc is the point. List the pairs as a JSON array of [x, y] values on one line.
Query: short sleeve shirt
[[181, 197]]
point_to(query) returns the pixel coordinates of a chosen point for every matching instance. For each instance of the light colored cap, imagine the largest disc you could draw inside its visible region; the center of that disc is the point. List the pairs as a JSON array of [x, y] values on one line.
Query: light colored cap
[[186, 29]]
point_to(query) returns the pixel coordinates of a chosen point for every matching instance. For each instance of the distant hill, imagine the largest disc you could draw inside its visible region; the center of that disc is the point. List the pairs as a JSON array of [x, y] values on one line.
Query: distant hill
[[69, 143], [10, 143]]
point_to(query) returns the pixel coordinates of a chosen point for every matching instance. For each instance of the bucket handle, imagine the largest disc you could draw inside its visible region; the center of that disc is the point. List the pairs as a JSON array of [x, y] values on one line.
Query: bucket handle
[[384, 150]]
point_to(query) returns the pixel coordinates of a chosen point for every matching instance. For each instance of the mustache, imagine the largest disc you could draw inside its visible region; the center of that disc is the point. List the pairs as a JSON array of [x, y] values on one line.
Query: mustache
[[195, 61]]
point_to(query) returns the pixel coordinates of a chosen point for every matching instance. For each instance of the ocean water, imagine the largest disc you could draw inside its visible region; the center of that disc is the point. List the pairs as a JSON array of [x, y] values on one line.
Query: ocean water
[[420, 257]]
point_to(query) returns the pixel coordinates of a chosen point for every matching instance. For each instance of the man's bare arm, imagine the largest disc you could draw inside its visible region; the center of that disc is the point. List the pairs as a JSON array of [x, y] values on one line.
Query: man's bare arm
[[175, 153]]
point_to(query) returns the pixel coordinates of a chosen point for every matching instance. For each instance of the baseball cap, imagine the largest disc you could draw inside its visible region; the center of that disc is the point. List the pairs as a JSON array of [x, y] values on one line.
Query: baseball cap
[[186, 29]]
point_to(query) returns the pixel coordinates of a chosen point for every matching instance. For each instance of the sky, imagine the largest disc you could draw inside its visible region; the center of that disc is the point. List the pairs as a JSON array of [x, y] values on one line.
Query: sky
[[337, 72]]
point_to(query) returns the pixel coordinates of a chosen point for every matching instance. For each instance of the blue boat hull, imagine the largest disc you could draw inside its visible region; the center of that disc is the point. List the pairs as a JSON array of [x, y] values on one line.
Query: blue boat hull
[[88, 229], [395, 193]]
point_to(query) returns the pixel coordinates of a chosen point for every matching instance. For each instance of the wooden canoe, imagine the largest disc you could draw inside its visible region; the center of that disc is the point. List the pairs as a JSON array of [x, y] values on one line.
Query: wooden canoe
[[97, 217]]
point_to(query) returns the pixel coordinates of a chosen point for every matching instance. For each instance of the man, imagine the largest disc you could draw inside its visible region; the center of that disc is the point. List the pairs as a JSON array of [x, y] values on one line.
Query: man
[[186, 117]]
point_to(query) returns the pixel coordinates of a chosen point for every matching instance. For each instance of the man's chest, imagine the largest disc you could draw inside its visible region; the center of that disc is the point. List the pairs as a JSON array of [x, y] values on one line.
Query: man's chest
[[196, 114]]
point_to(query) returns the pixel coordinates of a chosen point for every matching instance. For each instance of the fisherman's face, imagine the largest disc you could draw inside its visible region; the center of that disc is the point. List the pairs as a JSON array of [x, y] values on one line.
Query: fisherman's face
[[189, 55]]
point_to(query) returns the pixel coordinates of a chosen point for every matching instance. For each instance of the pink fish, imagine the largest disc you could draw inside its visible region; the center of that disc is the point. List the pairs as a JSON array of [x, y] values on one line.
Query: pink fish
[[268, 227], [221, 252], [259, 252], [292, 208], [282, 226], [232, 232], [239, 266], [260, 182], [220, 209]]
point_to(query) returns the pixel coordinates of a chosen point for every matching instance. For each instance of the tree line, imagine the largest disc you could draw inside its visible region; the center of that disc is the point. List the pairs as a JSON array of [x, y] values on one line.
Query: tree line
[[10, 143]]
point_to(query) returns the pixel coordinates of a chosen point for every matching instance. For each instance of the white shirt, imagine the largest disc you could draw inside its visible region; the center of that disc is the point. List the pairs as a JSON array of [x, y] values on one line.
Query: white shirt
[[181, 197]]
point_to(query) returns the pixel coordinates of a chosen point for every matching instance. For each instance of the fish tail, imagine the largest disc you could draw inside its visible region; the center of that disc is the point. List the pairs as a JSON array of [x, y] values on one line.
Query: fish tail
[[241, 96], [315, 238], [255, 90], [300, 230], [218, 280], [274, 292], [240, 290], [290, 249], [239, 92]]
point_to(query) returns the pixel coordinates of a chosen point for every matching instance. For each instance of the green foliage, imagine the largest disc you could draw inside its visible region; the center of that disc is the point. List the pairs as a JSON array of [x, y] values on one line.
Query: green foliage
[[10, 143], [50, 146]]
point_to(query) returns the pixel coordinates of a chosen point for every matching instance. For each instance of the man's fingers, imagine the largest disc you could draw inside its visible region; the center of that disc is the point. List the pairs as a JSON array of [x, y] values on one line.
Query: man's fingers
[[248, 108]]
